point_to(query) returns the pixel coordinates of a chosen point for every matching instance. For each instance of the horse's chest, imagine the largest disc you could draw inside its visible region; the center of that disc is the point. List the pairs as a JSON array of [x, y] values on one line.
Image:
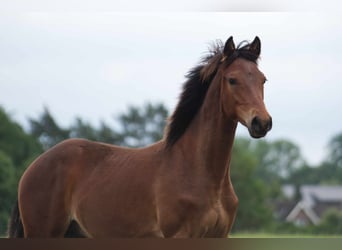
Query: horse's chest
[[197, 220], [214, 222]]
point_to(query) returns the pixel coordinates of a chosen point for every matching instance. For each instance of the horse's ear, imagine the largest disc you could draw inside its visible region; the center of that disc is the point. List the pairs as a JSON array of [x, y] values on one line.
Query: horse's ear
[[255, 46], [229, 47]]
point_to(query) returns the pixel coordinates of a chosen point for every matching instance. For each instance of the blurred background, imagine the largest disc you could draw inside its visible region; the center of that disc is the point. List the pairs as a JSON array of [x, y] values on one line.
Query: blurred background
[[116, 76]]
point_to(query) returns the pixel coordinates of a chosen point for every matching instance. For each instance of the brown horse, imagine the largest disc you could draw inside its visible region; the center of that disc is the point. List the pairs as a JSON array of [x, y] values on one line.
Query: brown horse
[[177, 187]]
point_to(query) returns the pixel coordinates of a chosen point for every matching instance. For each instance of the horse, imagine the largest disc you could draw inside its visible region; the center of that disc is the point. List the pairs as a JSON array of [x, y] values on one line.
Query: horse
[[178, 187]]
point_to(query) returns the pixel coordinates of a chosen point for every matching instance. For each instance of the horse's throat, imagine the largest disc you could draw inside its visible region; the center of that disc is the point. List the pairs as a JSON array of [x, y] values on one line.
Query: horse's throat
[[208, 143], [217, 148]]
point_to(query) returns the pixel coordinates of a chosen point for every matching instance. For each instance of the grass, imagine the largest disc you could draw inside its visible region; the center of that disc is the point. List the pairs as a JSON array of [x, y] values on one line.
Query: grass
[[270, 235]]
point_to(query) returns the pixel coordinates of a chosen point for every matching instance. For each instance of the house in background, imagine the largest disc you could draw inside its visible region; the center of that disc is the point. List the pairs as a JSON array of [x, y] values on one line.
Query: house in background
[[308, 205]]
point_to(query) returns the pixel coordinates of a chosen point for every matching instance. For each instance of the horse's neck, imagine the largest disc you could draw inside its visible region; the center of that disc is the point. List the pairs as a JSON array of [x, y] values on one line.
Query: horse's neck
[[209, 140]]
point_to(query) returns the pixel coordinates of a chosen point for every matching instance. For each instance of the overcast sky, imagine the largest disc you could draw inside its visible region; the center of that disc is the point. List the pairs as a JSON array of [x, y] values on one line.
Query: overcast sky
[[93, 64]]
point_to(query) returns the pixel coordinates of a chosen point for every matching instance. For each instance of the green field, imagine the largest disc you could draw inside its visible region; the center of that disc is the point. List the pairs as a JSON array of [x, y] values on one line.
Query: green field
[[269, 235]]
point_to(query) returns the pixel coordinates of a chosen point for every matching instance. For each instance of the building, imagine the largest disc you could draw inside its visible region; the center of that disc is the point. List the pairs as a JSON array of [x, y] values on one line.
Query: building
[[310, 205]]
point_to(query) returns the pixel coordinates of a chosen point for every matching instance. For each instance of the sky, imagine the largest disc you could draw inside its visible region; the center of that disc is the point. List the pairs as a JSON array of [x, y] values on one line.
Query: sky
[[94, 63]]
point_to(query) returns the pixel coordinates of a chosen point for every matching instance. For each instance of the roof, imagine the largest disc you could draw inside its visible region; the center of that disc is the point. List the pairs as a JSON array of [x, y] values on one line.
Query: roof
[[315, 200], [301, 206], [312, 194]]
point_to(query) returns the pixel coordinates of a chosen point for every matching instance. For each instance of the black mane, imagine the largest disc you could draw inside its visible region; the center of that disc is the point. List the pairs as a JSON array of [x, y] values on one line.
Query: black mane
[[197, 85]]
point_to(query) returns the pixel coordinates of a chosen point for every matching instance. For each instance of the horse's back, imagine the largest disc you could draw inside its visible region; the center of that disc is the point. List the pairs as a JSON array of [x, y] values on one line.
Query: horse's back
[[59, 164]]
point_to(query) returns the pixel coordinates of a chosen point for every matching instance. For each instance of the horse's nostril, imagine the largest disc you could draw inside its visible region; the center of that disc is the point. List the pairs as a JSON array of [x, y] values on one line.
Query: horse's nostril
[[256, 124]]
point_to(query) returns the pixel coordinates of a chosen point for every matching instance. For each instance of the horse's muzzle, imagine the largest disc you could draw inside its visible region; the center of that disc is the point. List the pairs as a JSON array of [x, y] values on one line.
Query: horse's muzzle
[[260, 127]]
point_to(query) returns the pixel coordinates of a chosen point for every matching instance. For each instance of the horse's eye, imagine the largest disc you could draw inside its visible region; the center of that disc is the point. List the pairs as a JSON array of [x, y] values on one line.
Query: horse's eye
[[265, 80], [232, 81]]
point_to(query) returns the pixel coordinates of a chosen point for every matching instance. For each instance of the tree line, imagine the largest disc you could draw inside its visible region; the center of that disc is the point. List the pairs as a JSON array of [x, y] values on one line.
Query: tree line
[[258, 170]]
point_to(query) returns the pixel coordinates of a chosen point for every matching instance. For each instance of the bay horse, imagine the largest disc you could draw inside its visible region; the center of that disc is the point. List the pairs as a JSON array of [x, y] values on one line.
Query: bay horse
[[177, 187]]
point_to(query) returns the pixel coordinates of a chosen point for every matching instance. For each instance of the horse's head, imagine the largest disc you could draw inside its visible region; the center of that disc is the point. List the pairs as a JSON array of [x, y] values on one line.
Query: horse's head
[[242, 85]]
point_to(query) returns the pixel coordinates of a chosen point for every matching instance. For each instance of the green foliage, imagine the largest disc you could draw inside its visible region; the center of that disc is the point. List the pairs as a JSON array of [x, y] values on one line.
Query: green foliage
[[82, 129], [258, 169], [252, 192], [283, 158], [16, 149], [328, 172], [7, 189], [137, 127], [331, 223], [335, 150], [277, 159], [140, 127], [47, 130], [15, 142]]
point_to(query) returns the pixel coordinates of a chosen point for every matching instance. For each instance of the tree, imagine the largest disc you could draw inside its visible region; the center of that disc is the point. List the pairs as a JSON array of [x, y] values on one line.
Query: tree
[[329, 171], [47, 131], [335, 150], [282, 158], [325, 173], [15, 142], [16, 149], [331, 223], [253, 212], [142, 126], [137, 127], [258, 168], [7, 189], [82, 129]]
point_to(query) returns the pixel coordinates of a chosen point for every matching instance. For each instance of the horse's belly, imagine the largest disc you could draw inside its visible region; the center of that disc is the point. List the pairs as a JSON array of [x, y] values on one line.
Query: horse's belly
[[117, 225], [116, 215]]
